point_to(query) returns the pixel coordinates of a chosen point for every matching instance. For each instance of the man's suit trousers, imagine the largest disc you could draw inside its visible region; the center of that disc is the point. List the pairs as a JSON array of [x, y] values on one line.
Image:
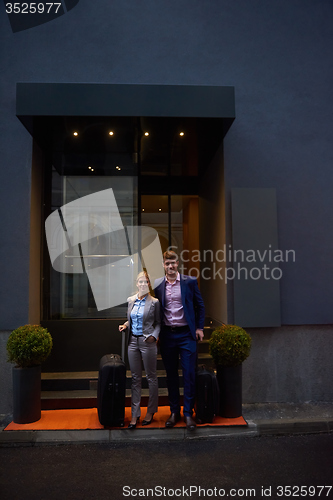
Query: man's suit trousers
[[172, 346]]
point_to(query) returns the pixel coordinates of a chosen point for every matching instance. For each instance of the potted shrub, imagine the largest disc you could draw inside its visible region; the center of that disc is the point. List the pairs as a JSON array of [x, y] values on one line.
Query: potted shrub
[[229, 346], [28, 346]]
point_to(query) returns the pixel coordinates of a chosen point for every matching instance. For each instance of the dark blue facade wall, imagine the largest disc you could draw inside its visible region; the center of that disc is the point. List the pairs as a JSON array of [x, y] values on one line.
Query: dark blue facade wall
[[277, 55]]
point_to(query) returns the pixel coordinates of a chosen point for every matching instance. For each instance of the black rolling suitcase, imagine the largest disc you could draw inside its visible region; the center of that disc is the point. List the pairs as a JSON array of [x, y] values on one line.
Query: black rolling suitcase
[[111, 391], [207, 395]]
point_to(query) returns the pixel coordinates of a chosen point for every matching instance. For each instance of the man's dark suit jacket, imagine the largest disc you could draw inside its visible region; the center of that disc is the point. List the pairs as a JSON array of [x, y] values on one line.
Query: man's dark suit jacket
[[194, 309]]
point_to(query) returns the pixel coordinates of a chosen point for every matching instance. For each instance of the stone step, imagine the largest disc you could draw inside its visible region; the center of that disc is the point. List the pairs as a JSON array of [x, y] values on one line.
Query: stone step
[[62, 390], [57, 400], [86, 381], [72, 381]]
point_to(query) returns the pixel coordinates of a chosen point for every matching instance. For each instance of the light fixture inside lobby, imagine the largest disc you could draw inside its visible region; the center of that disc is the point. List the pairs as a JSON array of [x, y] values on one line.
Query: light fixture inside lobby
[[182, 134], [111, 132], [75, 134], [146, 134], [118, 168]]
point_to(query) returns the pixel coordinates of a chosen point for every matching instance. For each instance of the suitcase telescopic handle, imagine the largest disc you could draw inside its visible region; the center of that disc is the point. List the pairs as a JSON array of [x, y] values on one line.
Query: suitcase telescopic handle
[[123, 333]]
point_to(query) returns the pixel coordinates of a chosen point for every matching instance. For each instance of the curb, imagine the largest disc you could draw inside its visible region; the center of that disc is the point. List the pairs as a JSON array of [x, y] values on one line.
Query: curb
[[287, 426], [257, 428], [32, 438]]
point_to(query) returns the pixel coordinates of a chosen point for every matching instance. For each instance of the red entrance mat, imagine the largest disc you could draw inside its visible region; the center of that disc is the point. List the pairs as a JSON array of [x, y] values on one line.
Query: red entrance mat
[[87, 418]]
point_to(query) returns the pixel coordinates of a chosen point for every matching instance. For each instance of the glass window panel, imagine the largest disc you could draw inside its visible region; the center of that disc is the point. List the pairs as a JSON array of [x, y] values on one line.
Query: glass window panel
[[185, 233], [101, 156], [155, 214], [70, 294]]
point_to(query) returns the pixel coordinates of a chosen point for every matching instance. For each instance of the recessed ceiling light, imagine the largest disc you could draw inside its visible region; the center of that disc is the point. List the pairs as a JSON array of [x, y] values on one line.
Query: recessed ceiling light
[[92, 169], [181, 134], [143, 210], [110, 133], [160, 210], [76, 134], [146, 134], [89, 167]]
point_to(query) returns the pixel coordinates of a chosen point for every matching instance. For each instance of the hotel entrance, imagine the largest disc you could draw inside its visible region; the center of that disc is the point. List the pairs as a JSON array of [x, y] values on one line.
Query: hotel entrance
[[160, 150], [155, 168]]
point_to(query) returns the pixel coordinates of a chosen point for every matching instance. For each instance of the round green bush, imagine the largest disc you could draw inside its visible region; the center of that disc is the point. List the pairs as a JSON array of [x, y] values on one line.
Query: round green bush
[[229, 345], [29, 345]]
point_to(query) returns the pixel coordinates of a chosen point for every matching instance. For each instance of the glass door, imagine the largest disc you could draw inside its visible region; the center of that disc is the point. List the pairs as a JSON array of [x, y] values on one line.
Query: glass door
[[90, 156]]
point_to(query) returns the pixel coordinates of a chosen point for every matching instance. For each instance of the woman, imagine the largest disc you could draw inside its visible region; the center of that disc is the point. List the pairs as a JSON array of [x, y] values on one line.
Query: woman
[[143, 320]]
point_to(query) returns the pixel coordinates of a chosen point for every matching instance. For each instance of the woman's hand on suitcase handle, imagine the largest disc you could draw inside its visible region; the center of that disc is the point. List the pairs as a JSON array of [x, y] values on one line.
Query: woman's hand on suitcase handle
[[122, 327]]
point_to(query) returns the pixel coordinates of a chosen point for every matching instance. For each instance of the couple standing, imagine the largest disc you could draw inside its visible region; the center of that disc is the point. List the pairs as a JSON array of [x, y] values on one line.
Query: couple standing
[[176, 316]]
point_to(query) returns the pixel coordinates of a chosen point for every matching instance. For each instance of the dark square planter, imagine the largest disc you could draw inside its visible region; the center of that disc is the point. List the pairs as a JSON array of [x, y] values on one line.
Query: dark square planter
[[230, 383], [26, 394]]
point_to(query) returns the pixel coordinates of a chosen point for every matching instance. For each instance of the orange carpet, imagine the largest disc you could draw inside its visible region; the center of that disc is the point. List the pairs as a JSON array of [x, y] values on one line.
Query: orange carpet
[[88, 419]]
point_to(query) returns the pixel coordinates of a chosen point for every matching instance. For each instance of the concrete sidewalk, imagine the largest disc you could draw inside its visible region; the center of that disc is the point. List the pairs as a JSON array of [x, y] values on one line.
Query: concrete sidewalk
[[262, 419]]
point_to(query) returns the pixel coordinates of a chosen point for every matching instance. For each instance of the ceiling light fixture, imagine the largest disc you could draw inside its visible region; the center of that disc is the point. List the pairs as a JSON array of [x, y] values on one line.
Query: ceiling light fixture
[[110, 133], [181, 134], [146, 134], [76, 134]]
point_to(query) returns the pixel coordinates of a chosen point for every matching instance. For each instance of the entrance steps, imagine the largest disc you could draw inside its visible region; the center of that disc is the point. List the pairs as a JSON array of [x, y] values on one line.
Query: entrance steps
[[70, 390]]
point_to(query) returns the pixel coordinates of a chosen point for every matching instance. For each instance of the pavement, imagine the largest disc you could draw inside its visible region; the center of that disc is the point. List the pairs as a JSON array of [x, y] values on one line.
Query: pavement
[[262, 419]]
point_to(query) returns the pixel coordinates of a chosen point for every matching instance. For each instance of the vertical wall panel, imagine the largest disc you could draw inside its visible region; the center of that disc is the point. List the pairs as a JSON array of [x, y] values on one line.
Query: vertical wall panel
[[254, 245]]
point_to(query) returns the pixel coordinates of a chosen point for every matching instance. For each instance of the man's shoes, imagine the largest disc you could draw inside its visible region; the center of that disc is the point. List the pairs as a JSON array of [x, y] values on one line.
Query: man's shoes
[[190, 423], [172, 420]]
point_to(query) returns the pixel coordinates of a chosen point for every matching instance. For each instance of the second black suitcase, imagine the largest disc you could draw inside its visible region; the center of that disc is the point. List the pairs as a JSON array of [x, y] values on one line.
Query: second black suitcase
[[111, 391], [207, 397]]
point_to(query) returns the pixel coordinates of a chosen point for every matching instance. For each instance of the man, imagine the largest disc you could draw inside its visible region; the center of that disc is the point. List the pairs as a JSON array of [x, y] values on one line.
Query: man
[[183, 315]]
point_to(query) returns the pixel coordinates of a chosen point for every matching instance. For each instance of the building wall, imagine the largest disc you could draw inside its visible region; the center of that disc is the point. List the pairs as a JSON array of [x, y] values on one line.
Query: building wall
[[290, 364], [277, 55], [281, 139]]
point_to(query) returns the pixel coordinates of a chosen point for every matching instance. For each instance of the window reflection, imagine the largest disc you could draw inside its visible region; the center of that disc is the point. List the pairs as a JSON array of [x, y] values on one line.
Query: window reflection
[[155, 214], [185, 232]]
